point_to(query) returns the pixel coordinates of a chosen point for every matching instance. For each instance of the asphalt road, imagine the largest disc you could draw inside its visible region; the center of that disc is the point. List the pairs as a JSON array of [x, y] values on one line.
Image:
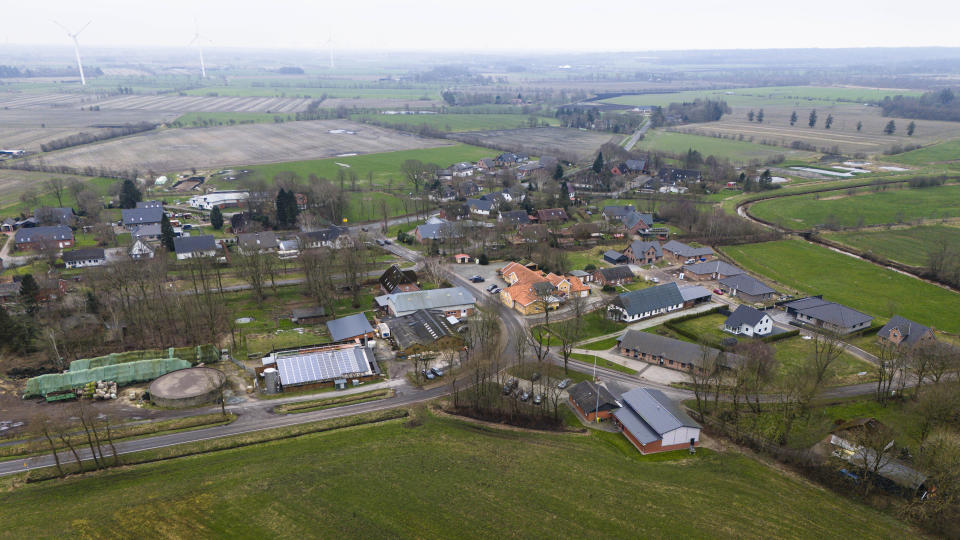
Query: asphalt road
[[255, 415]]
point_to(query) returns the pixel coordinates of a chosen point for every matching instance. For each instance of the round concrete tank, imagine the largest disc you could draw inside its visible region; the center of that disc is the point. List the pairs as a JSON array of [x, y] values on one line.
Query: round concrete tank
[[187, 387], [271, 380]]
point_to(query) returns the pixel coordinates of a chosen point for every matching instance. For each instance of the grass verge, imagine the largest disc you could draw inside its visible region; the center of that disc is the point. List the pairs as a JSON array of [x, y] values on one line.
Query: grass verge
[[329, 403]]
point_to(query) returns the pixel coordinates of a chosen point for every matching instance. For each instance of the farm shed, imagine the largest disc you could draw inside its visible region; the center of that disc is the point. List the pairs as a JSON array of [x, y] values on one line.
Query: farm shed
[[351, 327], [585, 399], [315, 367], [652, 422]]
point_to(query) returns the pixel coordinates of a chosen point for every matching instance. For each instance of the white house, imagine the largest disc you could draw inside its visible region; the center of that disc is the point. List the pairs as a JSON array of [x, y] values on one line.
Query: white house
[[748, 321], [82, 258], [188, 247], [140, 250]]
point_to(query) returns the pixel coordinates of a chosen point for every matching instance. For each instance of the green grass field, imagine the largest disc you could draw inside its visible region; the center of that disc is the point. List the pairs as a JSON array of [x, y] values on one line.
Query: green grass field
[[459, 122], [864, 207], [909, 246], [948, 151], [811, 269], [383, 166], [738, 151], [443, 478], [283, 89], [767, 96]]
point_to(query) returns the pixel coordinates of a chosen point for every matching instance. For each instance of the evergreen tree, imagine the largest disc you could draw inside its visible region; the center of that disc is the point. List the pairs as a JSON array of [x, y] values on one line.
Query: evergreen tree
[[760, 116], [911, 127], [129, 195], [292, 210], [216, 218], [765, 180], [828, 122], [793, 118], [750, 116], [15, 335], [558, 172], [29, 290], [598, 163], [813, 118], [281, 205], [859, 126], [166, 233], [890, 128]]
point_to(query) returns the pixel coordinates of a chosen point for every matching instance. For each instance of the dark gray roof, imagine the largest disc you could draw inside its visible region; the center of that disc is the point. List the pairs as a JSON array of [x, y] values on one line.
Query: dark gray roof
[[694, 292], [349, 327], [60, 215], [584, 394], [152, 229], [613, 255], [659, 414], [746, 284], [837, 315], [636, 164], [480, 204], [43, 234], [394, 277], [149, 204], [84, 254], [616, 273], [671, 349], [257, 241], [618, 211], [805, 303], [711, 267], [650, 299], [515, 216], [639, 246], [437, 231], [911, 331], [630, 220], [190, 244], [141, 216], [744, 315], [684, 250], [420, 327], [329, 234]]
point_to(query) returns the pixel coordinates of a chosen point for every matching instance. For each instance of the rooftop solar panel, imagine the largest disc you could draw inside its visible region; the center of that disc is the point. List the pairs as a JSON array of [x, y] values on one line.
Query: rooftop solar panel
[[318, 366]]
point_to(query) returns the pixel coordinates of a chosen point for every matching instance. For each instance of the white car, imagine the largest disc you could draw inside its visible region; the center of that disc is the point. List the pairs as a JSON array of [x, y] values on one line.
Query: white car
[[654, 280]]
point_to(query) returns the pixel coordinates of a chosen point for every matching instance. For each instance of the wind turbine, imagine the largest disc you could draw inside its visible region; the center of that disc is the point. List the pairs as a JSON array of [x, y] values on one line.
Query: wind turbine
[[330, 48], [198, 39], [76, 47]]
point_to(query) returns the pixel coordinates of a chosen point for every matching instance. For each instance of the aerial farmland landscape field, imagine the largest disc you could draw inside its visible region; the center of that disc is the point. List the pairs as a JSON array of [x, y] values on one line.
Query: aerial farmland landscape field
[[376, 270]]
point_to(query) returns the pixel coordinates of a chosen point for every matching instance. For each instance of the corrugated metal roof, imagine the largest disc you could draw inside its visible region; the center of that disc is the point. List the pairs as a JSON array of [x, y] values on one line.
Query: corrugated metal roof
[[635, 425], [317, 366], [657, 410], [349, 327]]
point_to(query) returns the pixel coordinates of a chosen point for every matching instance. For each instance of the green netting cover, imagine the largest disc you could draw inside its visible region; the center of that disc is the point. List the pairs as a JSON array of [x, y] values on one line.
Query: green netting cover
[[194, 355], [122, 373]]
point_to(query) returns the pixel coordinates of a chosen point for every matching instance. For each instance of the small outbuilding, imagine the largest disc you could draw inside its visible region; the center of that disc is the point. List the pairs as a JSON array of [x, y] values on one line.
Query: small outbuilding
[[584, 397], [614, 257], [349, 328]]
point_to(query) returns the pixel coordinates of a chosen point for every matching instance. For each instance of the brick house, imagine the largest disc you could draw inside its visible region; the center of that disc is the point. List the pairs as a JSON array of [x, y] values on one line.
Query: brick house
[[640, 252], [583, 397], [668, 352], [618, 275]]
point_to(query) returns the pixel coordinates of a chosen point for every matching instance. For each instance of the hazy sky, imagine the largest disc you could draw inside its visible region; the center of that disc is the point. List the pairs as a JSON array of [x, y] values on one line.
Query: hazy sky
[[490, 24]]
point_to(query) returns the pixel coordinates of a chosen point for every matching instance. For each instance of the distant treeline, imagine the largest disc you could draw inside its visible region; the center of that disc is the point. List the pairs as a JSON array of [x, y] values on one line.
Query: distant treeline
[[940, 105], [87, 138], [695, 112], [588, 117], [9, 72]]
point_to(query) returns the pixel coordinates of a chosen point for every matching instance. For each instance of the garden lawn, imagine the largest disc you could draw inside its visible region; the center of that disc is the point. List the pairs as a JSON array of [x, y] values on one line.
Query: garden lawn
[[864, 207], [603, 362], [909, 246], [371, 482], [382, 166], [601, 345], [877, 291]]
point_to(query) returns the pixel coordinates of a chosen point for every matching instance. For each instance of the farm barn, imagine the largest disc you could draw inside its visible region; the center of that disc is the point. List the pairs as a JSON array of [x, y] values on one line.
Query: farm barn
[[653, 423]]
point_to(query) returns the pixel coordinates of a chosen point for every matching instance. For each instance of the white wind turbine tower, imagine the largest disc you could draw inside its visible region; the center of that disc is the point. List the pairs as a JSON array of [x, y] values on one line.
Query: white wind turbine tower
[[330, 48], [76, 47], [198, 39]]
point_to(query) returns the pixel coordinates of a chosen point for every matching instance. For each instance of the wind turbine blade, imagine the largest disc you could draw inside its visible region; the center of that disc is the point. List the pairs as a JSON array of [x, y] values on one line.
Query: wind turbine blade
[[65, 29], [194, 40], [77, 33]]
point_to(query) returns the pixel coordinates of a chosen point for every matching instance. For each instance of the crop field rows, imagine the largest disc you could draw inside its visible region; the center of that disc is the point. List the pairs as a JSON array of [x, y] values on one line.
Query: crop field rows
[[208, 104], [11, 100], [179, 149], [786, 96], [581, 143]]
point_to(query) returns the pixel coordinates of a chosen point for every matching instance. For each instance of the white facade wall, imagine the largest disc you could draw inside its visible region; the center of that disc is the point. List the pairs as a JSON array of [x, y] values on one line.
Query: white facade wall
[[681, 435]]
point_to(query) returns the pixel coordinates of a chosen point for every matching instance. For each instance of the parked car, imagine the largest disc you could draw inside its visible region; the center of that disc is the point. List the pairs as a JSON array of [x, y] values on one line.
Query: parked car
[[477, 279], [428, 374], [491, 287], [690, 261], [537, 399], [524, 395], [364, 229], [535, 377], [564, 383], [379, 242], [717, 291], [387, 241], [510, 385], [654, 280], [437, 371]]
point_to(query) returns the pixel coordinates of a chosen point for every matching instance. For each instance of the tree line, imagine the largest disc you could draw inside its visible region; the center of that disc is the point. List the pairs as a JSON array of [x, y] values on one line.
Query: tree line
[[84, 137], [939, 105]]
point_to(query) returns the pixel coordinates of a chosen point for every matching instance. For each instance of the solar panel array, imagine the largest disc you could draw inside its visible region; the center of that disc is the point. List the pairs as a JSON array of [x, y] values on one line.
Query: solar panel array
[[318, 366]]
